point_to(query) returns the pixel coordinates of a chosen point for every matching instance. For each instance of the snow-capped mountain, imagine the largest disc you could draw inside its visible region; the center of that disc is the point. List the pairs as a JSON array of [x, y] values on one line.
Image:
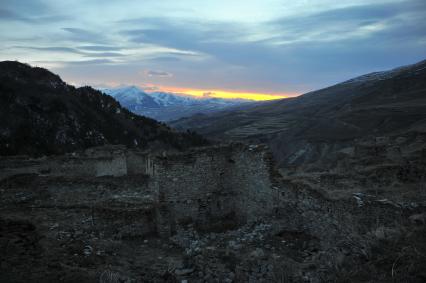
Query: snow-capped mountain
[[133, 98], [164, 106]]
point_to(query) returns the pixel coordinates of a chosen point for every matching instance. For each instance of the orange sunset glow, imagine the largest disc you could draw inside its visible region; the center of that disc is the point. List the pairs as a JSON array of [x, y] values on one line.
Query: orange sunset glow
[[228, 94]]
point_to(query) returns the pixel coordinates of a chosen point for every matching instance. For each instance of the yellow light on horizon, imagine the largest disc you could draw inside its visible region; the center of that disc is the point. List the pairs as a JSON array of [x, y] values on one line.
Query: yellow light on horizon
[[227, 94]]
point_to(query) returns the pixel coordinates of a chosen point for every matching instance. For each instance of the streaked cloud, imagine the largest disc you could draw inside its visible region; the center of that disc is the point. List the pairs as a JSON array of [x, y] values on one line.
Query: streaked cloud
[[271, 46], [57, 49], [161, 74], [83, 35], [99, 48], [7, 15], [90, 62], [167, 59], [53, 49]]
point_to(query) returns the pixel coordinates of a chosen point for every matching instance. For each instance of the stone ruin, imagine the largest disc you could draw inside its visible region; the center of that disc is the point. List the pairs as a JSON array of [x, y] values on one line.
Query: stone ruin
[[207, 187], [213, 214], [94, 162]]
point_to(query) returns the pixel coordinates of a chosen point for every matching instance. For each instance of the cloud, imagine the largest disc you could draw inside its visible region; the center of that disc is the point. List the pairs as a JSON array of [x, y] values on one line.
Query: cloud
[[89, 62], [53, 49], [29, 12], [194, 38], [161, 74], [168, 36], [83, 35], [345, 23], [73, 51], [9, 15], [26, 6], [299, 46], [6, 15], [166, 59], [313, 49], [100, 48], [104, 54]]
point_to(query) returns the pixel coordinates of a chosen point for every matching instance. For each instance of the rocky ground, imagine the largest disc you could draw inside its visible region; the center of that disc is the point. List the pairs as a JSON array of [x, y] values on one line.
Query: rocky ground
[[56, 229]]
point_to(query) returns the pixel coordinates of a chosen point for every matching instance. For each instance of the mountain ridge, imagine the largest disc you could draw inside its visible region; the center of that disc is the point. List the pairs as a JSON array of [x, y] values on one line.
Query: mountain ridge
[[391, 103], [40, 114], [166, 106]]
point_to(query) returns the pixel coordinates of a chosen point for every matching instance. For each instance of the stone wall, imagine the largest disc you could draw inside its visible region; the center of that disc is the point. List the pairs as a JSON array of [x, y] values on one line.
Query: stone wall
[[139, 163], [213, 188], [251, 181], [94, 162]]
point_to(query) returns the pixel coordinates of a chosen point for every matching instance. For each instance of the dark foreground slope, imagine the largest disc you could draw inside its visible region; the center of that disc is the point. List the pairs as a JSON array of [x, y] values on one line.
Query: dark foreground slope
[[40, 114], [315, 126], [215, 214]]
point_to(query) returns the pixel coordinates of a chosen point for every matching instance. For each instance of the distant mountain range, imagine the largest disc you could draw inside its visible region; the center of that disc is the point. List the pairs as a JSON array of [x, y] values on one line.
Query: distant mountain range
[[164, 106], [40, 114], [318, 125]]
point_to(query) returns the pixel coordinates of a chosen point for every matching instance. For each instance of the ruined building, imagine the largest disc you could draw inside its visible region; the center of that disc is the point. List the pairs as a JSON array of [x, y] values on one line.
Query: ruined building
[[207, 187], [224, 206]]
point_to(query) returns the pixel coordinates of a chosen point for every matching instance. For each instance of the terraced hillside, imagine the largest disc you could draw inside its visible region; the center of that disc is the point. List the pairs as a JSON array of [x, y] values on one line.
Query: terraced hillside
[[318, 124]]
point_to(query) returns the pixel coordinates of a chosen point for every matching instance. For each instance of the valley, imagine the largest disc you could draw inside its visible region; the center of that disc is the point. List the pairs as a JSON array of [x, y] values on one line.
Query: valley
[[257, 141], [166, 107], [325, 187], [320, 123]]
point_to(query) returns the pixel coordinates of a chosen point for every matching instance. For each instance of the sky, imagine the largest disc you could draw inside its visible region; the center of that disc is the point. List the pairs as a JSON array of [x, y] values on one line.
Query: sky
[[259, 49]]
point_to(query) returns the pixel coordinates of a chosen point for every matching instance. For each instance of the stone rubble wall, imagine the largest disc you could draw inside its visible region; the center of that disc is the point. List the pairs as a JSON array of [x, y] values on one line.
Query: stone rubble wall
[[214, 187], [96, 162], [139, 163], [252, 183]]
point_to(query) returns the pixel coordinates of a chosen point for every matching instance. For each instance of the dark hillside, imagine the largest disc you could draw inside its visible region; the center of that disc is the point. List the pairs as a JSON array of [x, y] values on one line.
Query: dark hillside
[[318, 124], [40, 114]]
